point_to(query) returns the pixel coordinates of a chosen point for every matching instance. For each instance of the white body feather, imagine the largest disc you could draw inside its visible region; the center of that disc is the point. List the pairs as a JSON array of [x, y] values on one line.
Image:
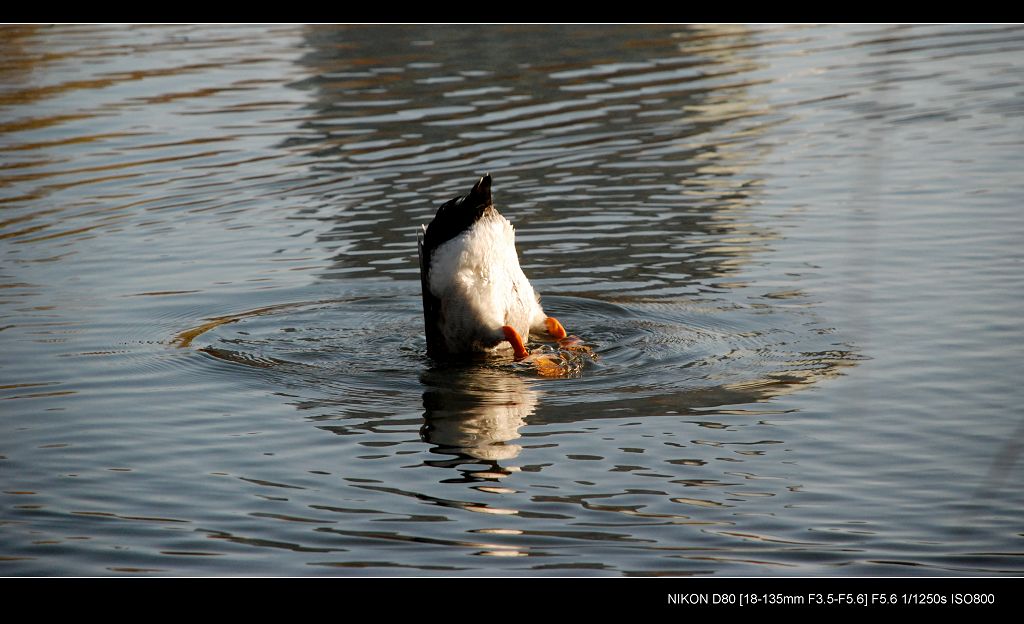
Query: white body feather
[[477, 277]]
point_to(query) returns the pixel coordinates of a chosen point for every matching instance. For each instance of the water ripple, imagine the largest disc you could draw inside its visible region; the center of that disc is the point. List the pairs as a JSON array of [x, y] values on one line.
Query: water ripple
[[789, 254]]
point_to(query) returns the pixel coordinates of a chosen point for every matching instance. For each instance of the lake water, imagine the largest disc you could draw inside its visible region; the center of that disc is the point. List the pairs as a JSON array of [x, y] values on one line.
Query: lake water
[[796, 253]]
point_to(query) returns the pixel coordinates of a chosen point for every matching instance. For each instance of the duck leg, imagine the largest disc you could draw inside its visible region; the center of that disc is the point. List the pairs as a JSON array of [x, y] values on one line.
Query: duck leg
[[518, 348]]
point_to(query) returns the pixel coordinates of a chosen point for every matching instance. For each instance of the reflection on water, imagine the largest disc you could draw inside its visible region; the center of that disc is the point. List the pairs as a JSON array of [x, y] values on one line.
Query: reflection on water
[[791, 254], [476, 412]]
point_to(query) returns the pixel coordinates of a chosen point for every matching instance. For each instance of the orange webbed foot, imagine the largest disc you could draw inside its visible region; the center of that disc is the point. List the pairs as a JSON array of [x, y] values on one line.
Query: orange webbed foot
[[555, 328], [548, 365], [513, 337]]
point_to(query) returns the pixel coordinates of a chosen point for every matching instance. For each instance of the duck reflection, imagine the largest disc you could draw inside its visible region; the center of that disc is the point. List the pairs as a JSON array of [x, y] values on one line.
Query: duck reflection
[[475, 413]]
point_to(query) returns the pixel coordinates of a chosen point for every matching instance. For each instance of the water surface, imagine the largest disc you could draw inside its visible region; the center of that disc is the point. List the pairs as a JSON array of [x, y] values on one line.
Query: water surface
[[794, 253]]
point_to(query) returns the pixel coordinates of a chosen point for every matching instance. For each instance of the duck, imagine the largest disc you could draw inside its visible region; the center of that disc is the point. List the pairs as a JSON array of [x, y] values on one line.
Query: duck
[[476, 298]]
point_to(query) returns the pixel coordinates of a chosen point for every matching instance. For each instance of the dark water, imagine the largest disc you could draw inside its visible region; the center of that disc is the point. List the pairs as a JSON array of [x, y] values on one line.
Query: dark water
[[797, 254]]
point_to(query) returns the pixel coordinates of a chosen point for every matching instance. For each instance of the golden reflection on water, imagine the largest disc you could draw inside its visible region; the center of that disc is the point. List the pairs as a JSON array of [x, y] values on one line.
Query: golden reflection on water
[[184, 338]]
